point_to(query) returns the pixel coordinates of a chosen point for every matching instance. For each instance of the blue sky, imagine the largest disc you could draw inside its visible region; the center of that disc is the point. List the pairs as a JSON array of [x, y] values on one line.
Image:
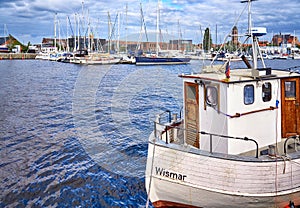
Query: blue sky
[[31, 20]]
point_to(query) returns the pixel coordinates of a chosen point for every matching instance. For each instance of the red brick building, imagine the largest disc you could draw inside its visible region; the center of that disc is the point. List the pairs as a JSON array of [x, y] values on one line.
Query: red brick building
[[285, 39]]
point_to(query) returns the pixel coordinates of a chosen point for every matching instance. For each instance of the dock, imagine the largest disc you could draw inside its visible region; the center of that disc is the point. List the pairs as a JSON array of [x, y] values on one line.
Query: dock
[[10, 56]]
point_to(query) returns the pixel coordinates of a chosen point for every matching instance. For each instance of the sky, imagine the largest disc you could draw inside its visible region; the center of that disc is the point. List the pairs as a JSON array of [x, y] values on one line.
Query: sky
[[32, 20]]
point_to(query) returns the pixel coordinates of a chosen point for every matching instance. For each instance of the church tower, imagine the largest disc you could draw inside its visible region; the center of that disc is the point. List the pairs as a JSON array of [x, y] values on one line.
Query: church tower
[[235, 39]]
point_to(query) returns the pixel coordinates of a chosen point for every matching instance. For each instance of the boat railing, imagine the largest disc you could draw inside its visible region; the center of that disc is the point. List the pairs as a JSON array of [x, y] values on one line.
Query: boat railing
[[211, 135], [159, 117], [173, 132], [296, 139]]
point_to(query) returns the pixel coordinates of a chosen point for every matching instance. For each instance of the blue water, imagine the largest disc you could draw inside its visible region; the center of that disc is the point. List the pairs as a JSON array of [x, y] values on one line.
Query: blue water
[[76, 136]]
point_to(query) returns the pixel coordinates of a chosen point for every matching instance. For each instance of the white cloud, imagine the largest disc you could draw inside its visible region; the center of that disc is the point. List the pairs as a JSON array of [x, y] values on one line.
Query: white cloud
[[34, 18]]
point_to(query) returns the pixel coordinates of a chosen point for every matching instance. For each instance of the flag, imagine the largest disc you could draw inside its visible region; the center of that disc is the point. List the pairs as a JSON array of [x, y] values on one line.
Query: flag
[[227, 70]]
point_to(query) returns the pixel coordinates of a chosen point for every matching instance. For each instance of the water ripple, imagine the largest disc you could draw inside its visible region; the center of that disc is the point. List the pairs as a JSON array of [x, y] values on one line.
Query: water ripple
[[76, 136]]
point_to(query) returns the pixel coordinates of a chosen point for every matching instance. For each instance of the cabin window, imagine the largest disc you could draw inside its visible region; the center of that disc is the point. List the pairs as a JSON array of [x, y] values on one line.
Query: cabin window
[[249, 94], [290, 89], [191, 92], [211, 96], [267, 92]]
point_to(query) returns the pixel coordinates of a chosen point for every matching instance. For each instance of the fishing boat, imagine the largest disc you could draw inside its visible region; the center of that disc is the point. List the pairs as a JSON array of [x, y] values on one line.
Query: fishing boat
[[234, 145]]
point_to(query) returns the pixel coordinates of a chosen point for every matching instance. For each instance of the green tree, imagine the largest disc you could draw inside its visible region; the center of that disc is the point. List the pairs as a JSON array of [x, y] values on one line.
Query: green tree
[[26, 48], [207, 41]]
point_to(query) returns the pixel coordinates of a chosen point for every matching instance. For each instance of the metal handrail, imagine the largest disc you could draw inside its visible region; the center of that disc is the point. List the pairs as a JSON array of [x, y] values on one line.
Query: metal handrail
[[231, 137], [296, 137], [205, 133]]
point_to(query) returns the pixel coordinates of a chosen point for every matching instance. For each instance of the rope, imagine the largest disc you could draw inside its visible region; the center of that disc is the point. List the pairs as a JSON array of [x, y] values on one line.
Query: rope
[[296, 163], [225, 114], [285, 158], [228, 35]]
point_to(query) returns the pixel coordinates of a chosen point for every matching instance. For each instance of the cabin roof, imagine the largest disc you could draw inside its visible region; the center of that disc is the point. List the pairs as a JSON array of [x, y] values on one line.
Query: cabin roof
[[240, 75]]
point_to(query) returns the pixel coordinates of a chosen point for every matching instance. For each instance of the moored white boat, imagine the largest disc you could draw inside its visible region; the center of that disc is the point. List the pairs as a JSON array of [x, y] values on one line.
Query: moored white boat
[[43, 56], [127, 60], [79, 57], [295, 56], [236, 144], [93, 59]]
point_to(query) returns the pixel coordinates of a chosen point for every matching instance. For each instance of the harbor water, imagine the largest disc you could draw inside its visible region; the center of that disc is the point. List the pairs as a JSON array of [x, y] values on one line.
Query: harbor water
[[76, 135]]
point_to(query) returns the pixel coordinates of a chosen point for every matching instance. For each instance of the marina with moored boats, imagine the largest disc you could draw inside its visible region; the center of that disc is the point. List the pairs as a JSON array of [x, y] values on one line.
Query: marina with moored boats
[[181, 126]]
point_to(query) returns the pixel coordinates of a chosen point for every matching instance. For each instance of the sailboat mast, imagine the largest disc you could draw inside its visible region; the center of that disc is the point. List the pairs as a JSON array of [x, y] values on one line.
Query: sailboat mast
[[157, 27], [83, 23], [78, 37], [55, 31], [59, 39], [67, 39], [75, 20], [118, 42], [5, 33], [126, 50], [89, 32], [179, 32], [109, 33]]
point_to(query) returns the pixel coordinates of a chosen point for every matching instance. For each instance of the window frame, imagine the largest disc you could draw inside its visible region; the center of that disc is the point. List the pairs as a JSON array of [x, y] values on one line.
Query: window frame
[[247, 95], [291, 93], [267, 93], [215, 96]]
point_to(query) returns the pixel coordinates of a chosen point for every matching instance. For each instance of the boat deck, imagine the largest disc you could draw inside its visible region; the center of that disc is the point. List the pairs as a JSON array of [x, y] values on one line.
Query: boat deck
[[172, 136], [216, 73]]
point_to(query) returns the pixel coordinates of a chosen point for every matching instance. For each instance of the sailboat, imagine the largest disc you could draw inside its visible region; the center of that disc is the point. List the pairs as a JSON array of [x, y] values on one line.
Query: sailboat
[[158, 59], [236, 144]]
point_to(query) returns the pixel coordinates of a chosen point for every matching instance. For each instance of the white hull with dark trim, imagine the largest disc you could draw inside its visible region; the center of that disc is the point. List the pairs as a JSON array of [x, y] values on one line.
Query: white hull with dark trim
[[186, 177], [237, 144]]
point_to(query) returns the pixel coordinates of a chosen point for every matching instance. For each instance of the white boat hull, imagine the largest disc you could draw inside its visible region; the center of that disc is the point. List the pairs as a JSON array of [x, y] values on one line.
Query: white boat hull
[[102, 62], [184, 178]]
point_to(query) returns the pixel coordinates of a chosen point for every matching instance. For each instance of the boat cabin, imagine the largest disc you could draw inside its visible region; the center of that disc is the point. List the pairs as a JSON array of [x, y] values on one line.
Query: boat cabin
[[205, 159], [263, 107]]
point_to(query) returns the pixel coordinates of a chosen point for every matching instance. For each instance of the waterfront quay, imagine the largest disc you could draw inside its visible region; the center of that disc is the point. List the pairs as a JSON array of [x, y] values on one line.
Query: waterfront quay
[[17, 56]]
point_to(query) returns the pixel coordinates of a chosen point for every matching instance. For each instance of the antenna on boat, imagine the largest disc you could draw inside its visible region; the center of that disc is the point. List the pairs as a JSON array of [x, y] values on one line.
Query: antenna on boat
[[250, 34], [253, 33]]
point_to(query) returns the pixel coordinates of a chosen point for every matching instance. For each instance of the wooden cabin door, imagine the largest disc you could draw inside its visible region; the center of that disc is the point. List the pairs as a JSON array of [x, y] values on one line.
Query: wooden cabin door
[[290, 105], [191, 120]]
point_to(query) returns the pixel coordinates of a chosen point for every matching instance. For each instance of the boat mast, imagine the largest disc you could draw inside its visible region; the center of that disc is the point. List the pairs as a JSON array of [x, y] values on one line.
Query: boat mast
[[250, 34], [118, 41], [83, 23], [75, 20], [89, 32], [67, 39], [5, 33], [78, 37], [59, 39], [179, 36], [109, 32], [157, 27], [216, 37], [254, 39], [126, 50], [55, 31]]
